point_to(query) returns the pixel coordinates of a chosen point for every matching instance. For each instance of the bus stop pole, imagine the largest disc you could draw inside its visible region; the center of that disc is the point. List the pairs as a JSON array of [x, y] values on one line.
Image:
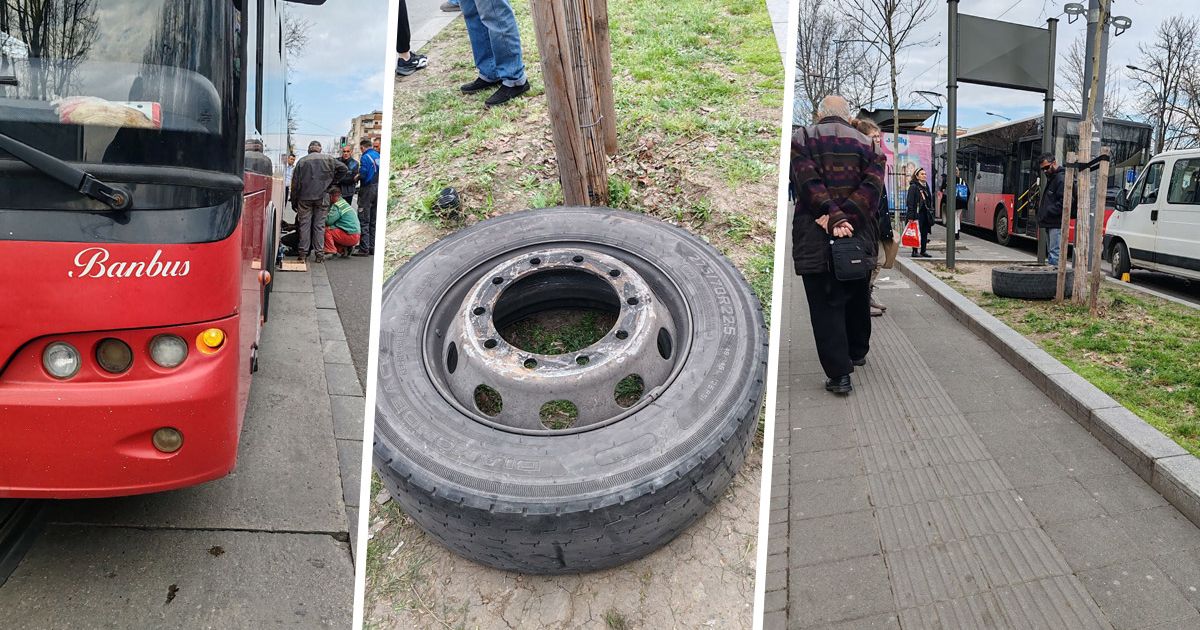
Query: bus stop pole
[[951, 124], [1047, 137]]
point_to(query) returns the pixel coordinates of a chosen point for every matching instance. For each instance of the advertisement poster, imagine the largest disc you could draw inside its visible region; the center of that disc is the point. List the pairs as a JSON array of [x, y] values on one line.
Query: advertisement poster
[[916, 151]]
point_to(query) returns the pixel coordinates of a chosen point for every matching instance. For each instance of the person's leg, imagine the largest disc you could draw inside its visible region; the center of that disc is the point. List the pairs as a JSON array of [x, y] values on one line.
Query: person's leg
[[858, 318], [481, 43], [403, 34], [367, 199], [1052, 245], [826, 307], [877, 308], [501, 23], [304, 217], [320, 213]]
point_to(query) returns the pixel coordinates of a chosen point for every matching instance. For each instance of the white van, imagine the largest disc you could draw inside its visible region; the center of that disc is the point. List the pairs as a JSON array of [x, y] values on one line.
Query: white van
[[1157, 222]]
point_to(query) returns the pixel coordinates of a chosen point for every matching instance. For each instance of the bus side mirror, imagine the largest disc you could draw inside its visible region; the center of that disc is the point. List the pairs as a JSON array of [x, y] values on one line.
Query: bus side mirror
[[1123, 201]]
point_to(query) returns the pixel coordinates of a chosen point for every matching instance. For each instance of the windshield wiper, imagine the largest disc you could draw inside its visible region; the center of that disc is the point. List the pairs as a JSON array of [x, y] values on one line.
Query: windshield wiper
[[114, 197]]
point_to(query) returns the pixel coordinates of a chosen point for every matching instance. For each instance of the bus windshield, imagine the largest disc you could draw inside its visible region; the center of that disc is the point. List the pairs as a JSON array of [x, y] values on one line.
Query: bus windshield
[[123, 82]]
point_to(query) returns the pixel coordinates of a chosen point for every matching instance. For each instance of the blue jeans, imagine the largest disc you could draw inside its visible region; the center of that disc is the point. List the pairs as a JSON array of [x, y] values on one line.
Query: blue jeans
[[495, 41], [1052, 246]]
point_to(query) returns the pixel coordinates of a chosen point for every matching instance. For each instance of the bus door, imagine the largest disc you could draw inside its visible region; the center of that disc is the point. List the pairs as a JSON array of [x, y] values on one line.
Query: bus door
[[987, 191]]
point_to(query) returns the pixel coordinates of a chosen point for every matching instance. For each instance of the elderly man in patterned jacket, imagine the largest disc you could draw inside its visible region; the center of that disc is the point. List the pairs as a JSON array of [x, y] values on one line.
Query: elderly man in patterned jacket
[[837, 175]]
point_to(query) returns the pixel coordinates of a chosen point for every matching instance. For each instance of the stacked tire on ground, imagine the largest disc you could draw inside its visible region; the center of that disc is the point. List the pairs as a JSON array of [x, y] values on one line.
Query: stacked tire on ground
[[588, 497]]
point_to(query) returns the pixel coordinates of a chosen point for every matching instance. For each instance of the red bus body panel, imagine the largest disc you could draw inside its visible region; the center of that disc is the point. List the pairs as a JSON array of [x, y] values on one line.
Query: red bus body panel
[[90, 435]]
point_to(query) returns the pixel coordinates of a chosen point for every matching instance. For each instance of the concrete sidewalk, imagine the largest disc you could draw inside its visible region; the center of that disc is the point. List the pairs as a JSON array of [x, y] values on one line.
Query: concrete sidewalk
[[949, 492]]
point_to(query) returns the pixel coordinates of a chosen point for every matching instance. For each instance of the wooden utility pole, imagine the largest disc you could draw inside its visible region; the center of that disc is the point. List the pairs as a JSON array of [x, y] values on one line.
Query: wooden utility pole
[[1097, 236], [573, 39], [1064, 235], [1082, 233]]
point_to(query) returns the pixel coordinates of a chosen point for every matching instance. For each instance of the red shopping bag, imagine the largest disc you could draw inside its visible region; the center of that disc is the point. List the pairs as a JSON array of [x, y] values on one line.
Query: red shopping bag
[[911, 236]]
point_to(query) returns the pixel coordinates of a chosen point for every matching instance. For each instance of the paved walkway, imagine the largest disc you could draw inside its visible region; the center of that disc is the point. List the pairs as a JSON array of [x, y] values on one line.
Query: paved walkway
[[949, 492]]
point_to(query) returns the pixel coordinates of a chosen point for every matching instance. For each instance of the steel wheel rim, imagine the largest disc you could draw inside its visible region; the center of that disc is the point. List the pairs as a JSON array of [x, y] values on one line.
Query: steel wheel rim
[[455, 314]]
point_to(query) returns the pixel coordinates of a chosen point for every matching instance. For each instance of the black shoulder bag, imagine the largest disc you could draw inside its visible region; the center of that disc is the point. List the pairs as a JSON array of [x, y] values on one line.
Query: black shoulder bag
[[851, 258]]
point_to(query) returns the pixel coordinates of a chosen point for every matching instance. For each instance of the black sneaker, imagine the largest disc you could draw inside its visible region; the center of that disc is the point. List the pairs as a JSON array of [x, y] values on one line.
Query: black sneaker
[[478, 85], [859, 362], [450, 7], [839, 385], [506, 93], [405, 67]]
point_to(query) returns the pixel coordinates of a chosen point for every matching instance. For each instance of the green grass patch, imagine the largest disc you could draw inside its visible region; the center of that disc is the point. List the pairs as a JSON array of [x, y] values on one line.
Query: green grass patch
[[1142, 351], [559, 332]]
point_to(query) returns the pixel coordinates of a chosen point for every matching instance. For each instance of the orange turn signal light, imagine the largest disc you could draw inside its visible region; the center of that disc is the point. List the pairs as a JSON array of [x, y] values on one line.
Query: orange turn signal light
[[210, 340]]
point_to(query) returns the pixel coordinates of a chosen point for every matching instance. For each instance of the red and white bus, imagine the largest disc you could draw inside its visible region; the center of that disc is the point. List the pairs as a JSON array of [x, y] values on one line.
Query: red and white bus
[[999, 164], [141, 171]]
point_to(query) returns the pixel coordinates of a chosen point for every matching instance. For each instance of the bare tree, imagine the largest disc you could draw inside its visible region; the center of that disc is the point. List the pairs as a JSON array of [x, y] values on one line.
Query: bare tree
[[59, 33], [890, 27], [1165, 70], [1116, 102], [296, 31], [832, 58]]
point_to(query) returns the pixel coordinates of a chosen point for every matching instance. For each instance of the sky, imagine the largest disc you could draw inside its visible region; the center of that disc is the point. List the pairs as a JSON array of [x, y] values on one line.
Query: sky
[[343, 73], [924, 67]]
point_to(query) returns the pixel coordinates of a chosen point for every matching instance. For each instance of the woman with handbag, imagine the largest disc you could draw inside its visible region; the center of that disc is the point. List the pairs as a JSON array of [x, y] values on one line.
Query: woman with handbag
[[919, 209]]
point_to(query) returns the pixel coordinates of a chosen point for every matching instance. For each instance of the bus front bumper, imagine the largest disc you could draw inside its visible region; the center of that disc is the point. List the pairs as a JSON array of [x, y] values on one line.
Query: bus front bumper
[[95, 437]]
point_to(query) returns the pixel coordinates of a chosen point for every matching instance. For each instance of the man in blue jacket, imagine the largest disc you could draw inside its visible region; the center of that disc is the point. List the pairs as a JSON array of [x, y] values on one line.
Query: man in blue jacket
[[368, 196]]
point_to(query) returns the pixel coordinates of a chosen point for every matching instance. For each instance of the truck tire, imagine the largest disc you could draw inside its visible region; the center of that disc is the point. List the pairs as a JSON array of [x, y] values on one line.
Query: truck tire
[[1000, 227], [1119, 256], [510, 492], [1028, 282]]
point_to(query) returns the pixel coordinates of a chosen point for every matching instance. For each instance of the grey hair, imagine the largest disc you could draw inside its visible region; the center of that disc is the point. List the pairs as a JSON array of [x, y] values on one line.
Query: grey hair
[[834, 105]]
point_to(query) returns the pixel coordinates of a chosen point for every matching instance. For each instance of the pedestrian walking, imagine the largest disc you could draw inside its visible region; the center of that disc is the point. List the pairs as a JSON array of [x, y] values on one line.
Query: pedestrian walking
[[837, 174], [368, 196], [407, 61], [887, 234], [315, 173], [342, 231], [918, 208], [350, 181], [496, 46], [1050, 206]]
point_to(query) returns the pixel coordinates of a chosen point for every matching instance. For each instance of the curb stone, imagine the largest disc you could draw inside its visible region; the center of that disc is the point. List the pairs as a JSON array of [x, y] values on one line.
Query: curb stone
[[1162, 463]]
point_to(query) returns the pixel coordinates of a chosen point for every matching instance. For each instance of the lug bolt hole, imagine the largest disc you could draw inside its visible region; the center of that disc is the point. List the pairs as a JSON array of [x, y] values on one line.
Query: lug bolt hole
[[614, 272], [479, 310], [622, 334], [632, 301], [490, 343], [535, 261], [582, 359], [530, 364], [577, 259], [497, 280]]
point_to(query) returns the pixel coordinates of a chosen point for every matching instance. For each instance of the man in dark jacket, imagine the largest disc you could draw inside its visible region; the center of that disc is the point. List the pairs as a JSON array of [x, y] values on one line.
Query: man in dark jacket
[[311, 179], [1050, 207], [350, 181], [838, 178]]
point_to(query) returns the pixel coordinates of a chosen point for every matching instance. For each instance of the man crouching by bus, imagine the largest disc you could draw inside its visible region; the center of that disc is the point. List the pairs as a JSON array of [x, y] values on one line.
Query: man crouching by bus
[[314, 174], [341, 226]]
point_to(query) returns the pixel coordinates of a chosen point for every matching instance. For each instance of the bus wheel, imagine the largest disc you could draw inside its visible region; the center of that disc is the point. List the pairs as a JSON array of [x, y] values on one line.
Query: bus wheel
[[1003, 233], [566, 389], [1120, 259]]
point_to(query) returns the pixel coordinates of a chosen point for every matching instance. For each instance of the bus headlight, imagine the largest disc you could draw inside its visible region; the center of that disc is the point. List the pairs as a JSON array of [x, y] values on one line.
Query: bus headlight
[[168, 351], [114, 355], [61, 360]]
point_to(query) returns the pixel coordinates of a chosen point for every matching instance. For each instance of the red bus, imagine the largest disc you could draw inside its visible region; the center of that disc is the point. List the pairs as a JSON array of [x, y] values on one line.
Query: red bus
[[141, 163], [999, 164]]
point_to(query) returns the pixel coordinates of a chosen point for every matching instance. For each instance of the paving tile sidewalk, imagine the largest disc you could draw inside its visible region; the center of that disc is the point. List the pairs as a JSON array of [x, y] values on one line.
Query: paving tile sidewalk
[[949, 492]]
